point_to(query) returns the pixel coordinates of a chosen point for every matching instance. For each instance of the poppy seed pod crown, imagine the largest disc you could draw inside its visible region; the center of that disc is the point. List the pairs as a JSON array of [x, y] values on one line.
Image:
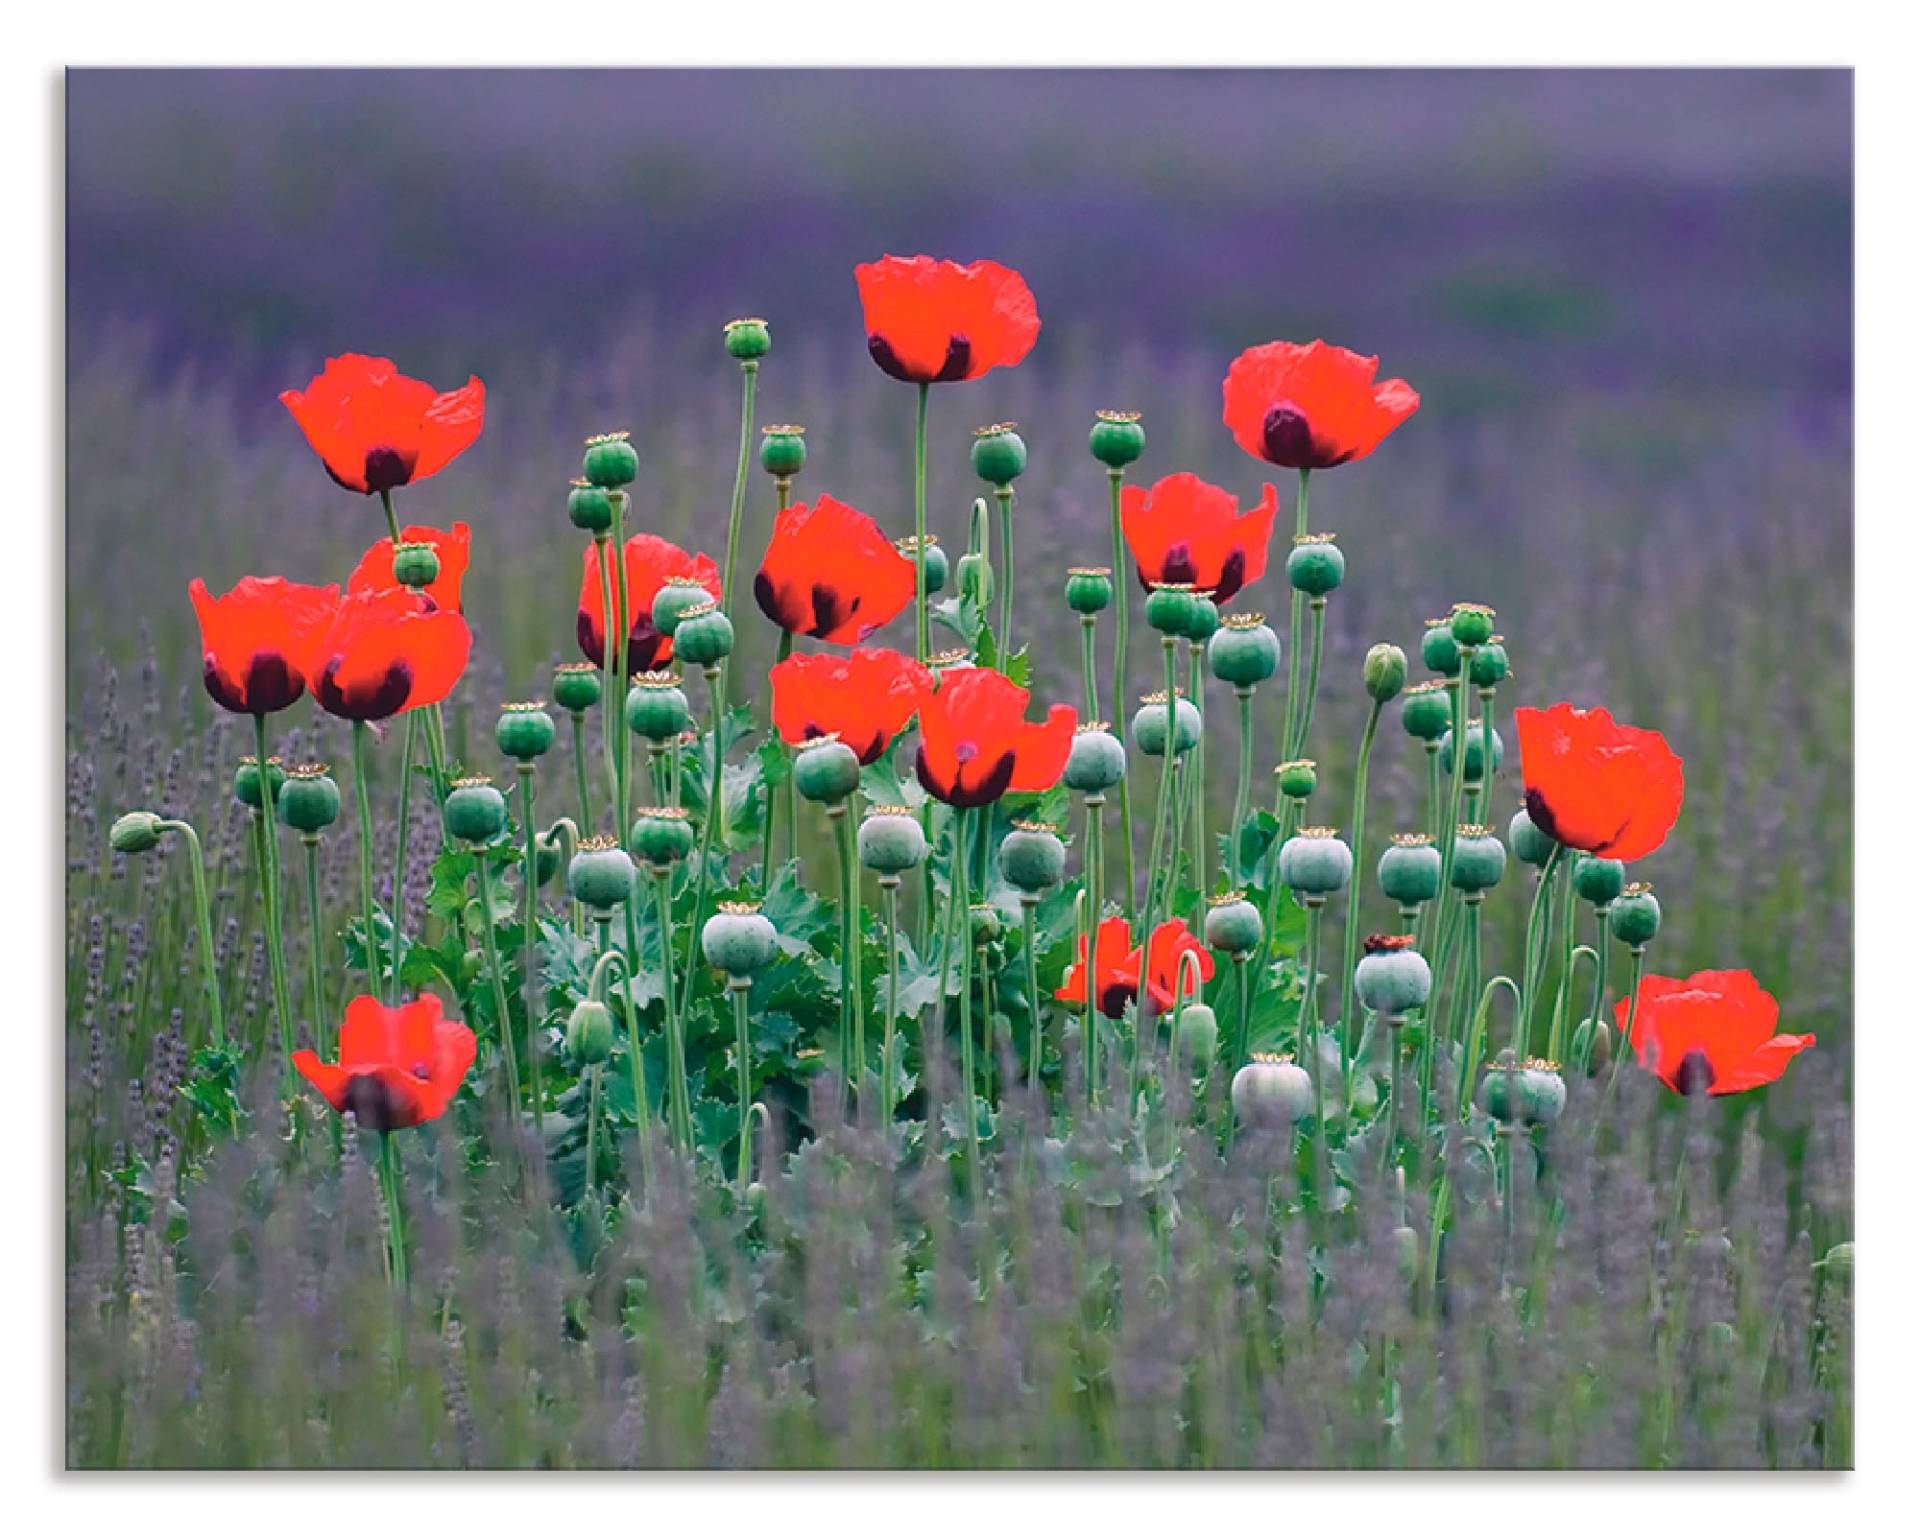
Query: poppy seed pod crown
[[748, 340], [783, 450], [1117, 438]]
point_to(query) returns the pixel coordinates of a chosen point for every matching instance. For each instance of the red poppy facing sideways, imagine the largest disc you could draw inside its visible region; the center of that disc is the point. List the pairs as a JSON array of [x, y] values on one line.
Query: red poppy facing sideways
[[398, 1066], [651, 563], [256, 643], [1311, 407], [1116, 965], [933, 322], [374, 428], [829, 572], [1609, 789], [1165, 949], [374, 573], [866, 699], [976, 743], [1185, 530], [1715, 1032], [386, 652]]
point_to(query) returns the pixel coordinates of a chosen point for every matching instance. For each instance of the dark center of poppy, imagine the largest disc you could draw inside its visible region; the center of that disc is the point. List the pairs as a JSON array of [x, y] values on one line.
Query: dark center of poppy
[[1286, 436], [1177, 564], [646, 646], [1541, 814], [270, 685], [367, 698], [1233, 575], [773, 603], [376, 1105], [1694, 1074], [1115, 996], [952, 367], [385, 469], [829, 611]]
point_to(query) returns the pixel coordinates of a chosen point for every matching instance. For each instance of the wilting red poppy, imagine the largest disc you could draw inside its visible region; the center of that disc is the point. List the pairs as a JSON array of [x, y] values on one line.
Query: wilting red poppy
[[1116, 965], [374, 428], [976, 743], [1715, 1032], [651, 563], [374, 573], [398, 1066], [1185, 530], [866, 699], [256, 643], [1171, 941], [829, 572], [1311, 407], [1594, 785], [932, 322], [386, 652]]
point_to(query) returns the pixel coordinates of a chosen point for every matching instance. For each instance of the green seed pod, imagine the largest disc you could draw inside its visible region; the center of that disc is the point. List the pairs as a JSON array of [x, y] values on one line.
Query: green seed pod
[[1117, 438], [740, 939], [657, 709], [1471, 624], [601, 874], [1533, 1095], [826, 770], [1314, 862], [891, 841], [1233, 924], [1489, 667], [1598, 880], [1634, 918], [1196, 1034], [1272, 1093], [1206, 621], [475, 812], [704, 635], [748, 340], [1089, 588], [1384, 672], [661, 835], [590, 1032], [1032, 857], [1409, 870], [783, 451], [983, 923], [1479, 859], [1426, 713], [589, 507], [1392, 978], [309, 802], [976, 579], [1244, 651], [576, 686], [1530, 845], [1150, 726], [524, 731], [1171, 607], [999, 454], [1096, 761], [677, 595], [1475, 769], [1439, 651], [1316, 565], [1299, 778], [936, 560], [610, 461], [246, 781], [135, 832], [415, 565]]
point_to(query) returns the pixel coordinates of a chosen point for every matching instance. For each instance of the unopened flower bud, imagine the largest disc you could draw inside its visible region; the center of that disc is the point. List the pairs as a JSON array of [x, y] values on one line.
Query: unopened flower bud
[[1384, 672], [590, 1032], [135, 832], [976, 579], [1195, 1035]]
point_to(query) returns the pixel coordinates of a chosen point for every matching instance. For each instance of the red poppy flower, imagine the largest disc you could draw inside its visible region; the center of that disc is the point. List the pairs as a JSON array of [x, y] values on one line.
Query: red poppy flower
[[1594, 785], [1185, 530], [257, 642], [398, 1066], [1171, 941], [866, 699], [977, 745], [374, 573], [932, 322], [829, 572], [374, 428], [1713, 1032], [386, 652], [651, 563], [1311, 407], [1116, 965]]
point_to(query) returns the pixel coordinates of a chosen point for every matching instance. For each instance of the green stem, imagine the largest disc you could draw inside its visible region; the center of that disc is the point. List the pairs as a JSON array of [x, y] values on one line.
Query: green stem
[[1600, 949], [1036, 1035], [743, 1077], [1312, 693], [1434, 803], [1536, 933], [616, 717], [580, 766], [613, 724], [1476, 1038], [1359, 824], [270, 903], [1243, 784], [1293, 625], [321, 1035], [1307, 1045], [499, 987], [1243, 1020], [1563, 996], [1451, 828], [375, 982], [636, 1058], [1003, 495], [1197, 787], [593, 1124], [749, 371], [530, 951], [1623, 1047], [716, 794], [1094, 908], [203, 918], [1169, 760], [920, 528], [393, 521], [396, 1215], [1118, 717], [676, 1043], [890, 893], [959, 934], [849, 960], [400, 839]]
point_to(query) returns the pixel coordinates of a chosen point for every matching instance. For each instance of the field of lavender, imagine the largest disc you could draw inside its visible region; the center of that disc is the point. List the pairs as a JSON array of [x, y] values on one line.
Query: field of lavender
[[1656, 502]]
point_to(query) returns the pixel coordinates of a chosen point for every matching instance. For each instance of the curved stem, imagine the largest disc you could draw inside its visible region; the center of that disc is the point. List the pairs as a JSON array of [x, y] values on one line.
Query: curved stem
[[636, 1059], [529, 950], [1118, 717], [375, 982], [1476, 1040], [203, 918]]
